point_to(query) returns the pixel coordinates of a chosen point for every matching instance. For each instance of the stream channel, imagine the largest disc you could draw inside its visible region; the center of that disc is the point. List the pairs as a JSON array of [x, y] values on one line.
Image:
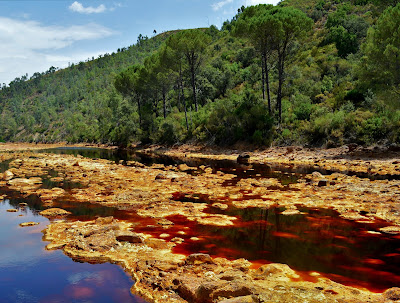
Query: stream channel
[[315, 240]]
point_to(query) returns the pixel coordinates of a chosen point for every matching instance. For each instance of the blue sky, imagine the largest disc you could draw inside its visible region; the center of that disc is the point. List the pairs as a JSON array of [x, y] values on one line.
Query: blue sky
[[35, 34]]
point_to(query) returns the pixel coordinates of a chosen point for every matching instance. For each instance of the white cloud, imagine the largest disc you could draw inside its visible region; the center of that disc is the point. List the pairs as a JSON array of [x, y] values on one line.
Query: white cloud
[[27, 46], [255, 2], [218, 5], [79, 8]]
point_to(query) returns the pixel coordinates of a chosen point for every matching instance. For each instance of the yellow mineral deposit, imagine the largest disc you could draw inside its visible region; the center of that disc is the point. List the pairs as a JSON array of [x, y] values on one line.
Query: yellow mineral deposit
[[164, 276]]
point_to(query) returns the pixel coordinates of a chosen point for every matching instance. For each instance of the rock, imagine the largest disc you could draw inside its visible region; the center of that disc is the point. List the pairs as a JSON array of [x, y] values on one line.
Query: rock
[[54, 246], [289, 150], [232, 289], [390, 230], [267, 270], [231, 275], [392, 294], [52, 212], [184, 167], [242, 265], [23, 182], [165, 222], [104, 220], [28, 224], [316, 175], [186, 288], [12, 210], [95, 229], [220, 206], [8, 175], [352, 147], [23, 204], [245, 299], [160, 177], [243, 159], [102, 241], [196, 259], [128, 236], [177, 240], [204, 291], [290, 212], [156, 243], [97, 240], [135, 164]]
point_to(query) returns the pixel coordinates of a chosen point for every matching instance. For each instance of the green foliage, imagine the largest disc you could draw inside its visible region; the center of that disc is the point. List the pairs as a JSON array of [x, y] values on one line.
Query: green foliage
[[345, 30], [264, 77], [381, 61], [238, 118]]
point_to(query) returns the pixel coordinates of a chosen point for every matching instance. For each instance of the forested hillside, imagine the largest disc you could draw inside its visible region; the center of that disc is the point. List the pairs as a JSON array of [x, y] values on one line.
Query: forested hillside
[[316, 72]]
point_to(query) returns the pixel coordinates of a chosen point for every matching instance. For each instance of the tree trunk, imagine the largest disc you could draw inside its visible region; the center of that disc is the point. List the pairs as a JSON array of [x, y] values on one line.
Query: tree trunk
[[164, 97], [281, 77], [267, 81], [182, 94], [194, 87], [280, 84], [263, 74], [184, 106], [139, 110], [155, 101]]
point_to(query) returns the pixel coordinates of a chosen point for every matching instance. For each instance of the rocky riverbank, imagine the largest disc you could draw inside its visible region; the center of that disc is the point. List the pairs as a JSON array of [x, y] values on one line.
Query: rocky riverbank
[[157, 192]]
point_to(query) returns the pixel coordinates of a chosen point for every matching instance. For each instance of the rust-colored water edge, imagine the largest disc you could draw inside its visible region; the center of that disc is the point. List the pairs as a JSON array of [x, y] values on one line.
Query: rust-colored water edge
[[214, 230]]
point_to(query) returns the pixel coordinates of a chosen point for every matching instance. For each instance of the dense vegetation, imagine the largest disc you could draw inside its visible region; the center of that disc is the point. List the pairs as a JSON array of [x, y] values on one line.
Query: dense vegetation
[[317, 72]]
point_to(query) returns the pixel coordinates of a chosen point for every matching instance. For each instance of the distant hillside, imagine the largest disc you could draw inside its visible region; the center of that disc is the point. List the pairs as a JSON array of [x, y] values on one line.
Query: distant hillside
[[337, 85], [66, 104]]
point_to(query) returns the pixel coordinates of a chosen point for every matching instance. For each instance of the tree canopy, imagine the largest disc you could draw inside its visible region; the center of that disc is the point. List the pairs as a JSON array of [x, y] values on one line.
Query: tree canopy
[[269, 75]]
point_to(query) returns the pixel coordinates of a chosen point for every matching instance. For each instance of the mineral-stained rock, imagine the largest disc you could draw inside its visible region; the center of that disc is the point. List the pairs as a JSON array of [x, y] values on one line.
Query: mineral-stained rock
[[53, 246], [232, 289], [316, 175], [196, 259], [48, 195], [101, 241], [392, 294], [12, 210], [128, 236], [104, 220], [231, 275], [204, 292], [160, 177], [8, 175], [269, 270], [53, 212], [24, 184], [291, 212], [164, 222], [220, 206], [184, 167], [244, 299], [28, 224], [391, 230]]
